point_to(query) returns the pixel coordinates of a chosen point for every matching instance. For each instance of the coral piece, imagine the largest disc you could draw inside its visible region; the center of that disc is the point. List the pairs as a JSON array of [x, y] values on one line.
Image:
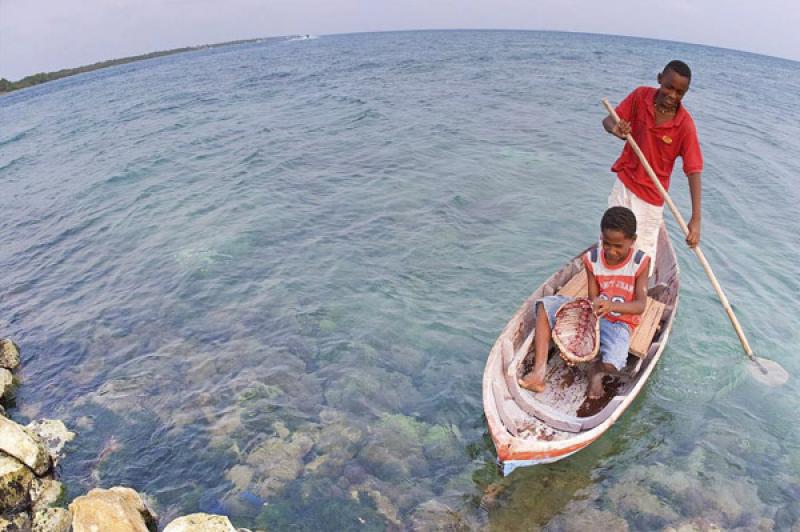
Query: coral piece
[[577, 331]]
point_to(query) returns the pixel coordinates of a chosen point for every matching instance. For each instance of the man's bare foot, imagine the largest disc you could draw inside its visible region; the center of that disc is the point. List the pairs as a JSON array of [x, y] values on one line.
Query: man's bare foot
[[533, 381], [596, 390]]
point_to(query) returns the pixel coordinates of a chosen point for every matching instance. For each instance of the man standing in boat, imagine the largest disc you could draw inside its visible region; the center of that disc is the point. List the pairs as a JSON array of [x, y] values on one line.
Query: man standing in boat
[[664, 130]]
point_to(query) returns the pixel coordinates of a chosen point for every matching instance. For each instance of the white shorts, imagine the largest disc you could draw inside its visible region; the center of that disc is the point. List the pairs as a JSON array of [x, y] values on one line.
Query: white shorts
[[648, 218]]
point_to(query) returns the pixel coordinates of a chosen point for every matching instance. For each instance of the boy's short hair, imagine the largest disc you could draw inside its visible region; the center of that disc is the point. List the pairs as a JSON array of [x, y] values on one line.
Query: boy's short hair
[[620, 219], [679, 67]]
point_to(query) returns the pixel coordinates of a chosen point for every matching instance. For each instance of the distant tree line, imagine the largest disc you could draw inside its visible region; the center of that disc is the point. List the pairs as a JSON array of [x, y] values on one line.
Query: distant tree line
[[42, 77]]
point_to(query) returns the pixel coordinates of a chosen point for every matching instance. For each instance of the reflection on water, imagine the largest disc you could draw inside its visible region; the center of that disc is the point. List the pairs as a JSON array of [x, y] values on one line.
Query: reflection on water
[[262, 280]]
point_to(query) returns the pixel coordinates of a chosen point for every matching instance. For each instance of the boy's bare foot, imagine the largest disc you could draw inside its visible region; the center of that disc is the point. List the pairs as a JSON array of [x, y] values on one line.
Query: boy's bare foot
[[596, 390], [533, 381]]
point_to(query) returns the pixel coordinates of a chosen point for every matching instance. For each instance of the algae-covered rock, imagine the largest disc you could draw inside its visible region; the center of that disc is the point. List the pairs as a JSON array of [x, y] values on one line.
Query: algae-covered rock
[[7, 384], [435, 516], [330, 464], [630, 497], [23, 445], [405, 359], [20, 522], [394, 448], [15, 485], [117, 509], [339, 435], [46, 493], [222, 427], [9, 354], [54, 434], [52, 520], [336, 444], [319, 504], [383, 504], [200, 523], [586, 518], [372, 389], [441, 445], [277, 461], [258, 390], [240, 475], [658, 495]]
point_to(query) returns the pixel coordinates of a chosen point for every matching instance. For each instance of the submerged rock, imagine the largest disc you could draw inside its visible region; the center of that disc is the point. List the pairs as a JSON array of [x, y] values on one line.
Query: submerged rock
[[586, 518], [9, 354], [278, 461], [52, 520], [200, 523], [339, 435], [54, 434], [372, 390], [23, 445], [117, 509], [659, 495], [434, 516], [240, 475], [629, 497], [383, 504], [441, 445], [698, 524], [394, 451], [15, 484]]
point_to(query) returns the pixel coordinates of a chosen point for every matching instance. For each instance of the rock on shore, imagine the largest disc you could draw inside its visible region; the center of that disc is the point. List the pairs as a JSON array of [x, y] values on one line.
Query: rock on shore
[[30, 495], [200, 523], [116, 509]]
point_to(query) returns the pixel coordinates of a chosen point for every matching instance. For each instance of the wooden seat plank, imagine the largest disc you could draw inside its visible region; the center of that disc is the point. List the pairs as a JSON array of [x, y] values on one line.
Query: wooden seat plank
[[643, 335], [578, 286]]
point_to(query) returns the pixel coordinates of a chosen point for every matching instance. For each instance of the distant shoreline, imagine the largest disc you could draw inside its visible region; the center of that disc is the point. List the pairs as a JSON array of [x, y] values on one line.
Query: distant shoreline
[[7, 86]]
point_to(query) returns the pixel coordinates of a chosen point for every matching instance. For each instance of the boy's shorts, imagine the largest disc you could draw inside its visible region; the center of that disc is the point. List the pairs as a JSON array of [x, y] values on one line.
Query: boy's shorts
[[615, 336]]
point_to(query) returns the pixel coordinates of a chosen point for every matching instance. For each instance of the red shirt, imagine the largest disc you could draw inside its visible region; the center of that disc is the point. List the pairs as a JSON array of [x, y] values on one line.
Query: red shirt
[[660, 144]]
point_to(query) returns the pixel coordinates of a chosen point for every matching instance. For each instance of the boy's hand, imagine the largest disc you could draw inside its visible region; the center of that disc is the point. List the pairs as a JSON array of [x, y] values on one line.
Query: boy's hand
[[621, 129], [693, 238], [601, 307]]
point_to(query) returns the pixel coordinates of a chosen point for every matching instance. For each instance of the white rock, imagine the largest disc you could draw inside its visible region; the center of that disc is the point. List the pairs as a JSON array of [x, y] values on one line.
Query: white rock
[[113, 510], [200, 523], [24, 446], [9, 354], [54, 434], [52, 520]]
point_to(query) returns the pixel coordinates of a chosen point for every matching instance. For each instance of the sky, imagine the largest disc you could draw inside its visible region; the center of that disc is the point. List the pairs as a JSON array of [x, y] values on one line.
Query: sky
[[47, 35]]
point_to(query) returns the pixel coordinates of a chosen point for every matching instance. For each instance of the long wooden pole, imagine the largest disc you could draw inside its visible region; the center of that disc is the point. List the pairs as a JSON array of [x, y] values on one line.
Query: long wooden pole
[[697, 251]]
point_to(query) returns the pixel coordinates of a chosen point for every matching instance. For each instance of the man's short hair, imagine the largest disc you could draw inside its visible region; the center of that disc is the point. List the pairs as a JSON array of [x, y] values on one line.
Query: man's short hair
[[679, 67], [619, 219]]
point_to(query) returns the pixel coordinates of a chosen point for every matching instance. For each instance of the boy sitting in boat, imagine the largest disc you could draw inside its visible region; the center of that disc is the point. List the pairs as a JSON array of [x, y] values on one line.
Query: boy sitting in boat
[[617, 274]]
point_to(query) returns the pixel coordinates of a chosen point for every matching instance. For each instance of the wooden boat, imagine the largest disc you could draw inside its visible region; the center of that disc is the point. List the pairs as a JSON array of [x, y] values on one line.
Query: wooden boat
[[537, 428]]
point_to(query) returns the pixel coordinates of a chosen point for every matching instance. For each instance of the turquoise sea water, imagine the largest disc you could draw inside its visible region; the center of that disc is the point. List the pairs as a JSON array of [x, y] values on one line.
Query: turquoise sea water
[[263, 280]]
